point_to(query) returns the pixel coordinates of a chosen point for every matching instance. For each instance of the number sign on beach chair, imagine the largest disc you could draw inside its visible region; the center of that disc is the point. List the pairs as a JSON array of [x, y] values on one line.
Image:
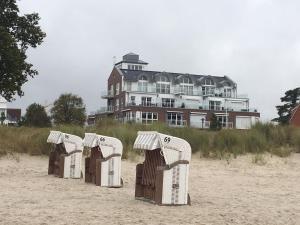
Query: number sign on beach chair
[[103, 167], [65, 158], [163, 177]]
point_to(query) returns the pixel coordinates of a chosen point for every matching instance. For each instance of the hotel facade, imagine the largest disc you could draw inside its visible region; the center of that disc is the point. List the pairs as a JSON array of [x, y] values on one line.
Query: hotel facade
[[135, 94]]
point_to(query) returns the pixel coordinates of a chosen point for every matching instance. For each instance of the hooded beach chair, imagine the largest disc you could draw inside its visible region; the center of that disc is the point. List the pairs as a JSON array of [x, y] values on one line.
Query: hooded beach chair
[[103, 166], [65, 158], [163, 176]]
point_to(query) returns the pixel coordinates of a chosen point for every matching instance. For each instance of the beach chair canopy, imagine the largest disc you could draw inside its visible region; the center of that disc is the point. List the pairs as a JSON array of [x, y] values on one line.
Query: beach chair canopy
[[172, 148], [108, 145], [71, 142]]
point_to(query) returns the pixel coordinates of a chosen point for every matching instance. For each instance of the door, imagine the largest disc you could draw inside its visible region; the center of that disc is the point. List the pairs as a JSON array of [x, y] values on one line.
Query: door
[[197, 120], [243, 122]]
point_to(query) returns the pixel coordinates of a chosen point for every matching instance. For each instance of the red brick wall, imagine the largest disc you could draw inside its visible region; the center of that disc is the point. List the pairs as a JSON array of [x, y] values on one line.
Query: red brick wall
[[114, 78], [186, 113], [295, 120]]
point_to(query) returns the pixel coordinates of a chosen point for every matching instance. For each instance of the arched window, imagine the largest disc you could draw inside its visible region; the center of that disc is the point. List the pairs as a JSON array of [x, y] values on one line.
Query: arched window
[[186, 85], [185, 80], [163, 85], [143, 84], [208, 82]]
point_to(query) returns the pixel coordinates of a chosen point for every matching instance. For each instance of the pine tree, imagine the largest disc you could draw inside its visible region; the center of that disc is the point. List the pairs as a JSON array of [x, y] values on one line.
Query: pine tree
[[290, 100]]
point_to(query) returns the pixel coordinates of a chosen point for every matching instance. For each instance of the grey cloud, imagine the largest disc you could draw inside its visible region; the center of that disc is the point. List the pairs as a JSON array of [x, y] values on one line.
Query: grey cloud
[[255, 42]]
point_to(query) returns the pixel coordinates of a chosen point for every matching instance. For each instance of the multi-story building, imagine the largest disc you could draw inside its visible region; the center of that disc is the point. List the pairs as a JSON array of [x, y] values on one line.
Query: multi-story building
[[12, 116], [178, 99]]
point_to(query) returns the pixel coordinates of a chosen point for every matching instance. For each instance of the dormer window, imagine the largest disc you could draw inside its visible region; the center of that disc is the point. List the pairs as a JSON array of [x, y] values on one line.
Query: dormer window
[[208, 87], [227, 92], [185, 80], [208, 82], [163, 85], [186, 86], [143, 84]]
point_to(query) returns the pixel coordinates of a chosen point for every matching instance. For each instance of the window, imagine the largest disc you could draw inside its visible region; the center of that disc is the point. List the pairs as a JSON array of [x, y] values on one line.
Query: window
[[110, 90], [143, 84], [140, 68], [175, 119], [227, 92], [130, 116], [185, 80], [208, 82], [186, 86], [146, 101], [186, 89], [128, 86], [222, 120], [129, 67], [214, 105], [168, 102], [149, 117], [132, 100], [117, 88], [208, 90], [163, 85]]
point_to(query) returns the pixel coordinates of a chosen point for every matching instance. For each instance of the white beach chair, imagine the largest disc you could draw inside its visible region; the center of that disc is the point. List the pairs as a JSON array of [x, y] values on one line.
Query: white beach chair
[[163, 177], [65, 158], [103, 166]]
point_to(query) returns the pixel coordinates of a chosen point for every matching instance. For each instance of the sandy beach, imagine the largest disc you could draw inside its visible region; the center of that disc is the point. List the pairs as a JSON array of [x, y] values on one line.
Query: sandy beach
[[222, 192]]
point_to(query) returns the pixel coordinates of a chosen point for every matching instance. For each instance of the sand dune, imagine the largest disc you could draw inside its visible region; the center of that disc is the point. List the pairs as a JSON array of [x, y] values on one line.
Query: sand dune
[[236, 193]]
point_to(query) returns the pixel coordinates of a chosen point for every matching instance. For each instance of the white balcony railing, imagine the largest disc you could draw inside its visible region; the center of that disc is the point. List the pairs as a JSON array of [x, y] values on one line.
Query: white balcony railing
[[192, 106], [107, 94]]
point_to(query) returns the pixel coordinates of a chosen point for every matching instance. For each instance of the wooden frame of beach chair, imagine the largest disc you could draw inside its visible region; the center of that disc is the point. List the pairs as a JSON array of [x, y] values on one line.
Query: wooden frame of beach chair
[[163, 177], [103, 166], [66, 155]]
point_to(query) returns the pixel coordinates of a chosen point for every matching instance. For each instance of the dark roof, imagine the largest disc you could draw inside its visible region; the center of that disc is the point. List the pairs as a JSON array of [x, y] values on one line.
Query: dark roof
[[135, 62], [132, 58], [134, 75]]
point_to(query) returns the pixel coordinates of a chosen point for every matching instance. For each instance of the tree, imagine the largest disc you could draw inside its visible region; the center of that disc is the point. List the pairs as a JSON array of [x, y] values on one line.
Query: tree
[[69, 109], [2, 117], [36, 116], [214, 123], [290, 100], [17, 33]]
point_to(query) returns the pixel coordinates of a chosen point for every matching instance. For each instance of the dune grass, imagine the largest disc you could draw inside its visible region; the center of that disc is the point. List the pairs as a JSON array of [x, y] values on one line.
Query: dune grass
[[277, 140]]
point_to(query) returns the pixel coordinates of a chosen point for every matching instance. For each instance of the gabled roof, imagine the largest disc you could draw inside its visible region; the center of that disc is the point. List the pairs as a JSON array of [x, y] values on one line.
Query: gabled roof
[[134, 75]]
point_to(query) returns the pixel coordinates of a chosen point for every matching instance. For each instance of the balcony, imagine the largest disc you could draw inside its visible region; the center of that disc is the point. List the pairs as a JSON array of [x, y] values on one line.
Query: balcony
[[178, 105], [107, 94], [105, 109]]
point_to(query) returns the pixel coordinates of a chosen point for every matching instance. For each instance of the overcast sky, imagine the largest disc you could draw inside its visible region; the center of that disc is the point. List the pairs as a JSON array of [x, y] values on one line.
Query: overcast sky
[[254, 42]]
